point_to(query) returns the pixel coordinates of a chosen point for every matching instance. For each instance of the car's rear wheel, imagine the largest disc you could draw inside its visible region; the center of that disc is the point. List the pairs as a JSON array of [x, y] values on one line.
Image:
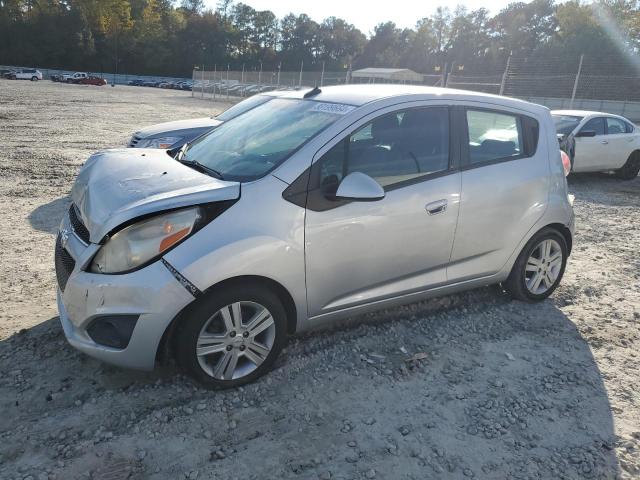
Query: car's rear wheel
[[232, 336], [630, 169], [34, 79], [539, 267]]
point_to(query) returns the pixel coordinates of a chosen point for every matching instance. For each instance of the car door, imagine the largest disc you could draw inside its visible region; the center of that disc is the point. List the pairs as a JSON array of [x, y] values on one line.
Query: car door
[[620, 142], [591, 153], [358, 252], [505, 185]]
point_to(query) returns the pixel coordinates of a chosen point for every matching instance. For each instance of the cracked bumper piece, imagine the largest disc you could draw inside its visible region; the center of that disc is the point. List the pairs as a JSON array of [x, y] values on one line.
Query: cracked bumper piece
[[151, 295]]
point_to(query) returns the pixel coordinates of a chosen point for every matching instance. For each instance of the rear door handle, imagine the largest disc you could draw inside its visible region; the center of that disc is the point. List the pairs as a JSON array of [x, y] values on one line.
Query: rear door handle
[[436, 207], [604, 142]]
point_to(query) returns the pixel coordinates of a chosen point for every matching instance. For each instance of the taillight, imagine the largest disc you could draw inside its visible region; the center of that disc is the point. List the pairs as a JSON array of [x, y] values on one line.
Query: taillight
[[566, 162]]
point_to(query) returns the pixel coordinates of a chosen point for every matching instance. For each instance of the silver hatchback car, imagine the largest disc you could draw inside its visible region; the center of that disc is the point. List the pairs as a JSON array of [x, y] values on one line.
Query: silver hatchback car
[[308, 208]]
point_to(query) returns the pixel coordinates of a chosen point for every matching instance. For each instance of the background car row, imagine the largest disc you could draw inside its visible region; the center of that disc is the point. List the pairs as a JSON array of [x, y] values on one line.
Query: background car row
[[175, 85], [81, 78]]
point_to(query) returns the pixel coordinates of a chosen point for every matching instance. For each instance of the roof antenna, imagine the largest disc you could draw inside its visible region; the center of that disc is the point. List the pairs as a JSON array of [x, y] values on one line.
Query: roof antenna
[[312, 93]]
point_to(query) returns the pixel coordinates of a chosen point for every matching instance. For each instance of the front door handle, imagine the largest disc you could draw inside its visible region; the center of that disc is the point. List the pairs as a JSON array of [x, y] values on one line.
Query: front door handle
[[436, 207], [604, 142]]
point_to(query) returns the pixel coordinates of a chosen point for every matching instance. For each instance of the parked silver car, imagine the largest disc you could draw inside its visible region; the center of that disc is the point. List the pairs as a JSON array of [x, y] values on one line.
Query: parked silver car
[[310, 207]]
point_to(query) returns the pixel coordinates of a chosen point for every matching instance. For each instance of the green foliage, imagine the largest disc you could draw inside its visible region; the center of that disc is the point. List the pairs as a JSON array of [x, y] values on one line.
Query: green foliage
[[170, 37]]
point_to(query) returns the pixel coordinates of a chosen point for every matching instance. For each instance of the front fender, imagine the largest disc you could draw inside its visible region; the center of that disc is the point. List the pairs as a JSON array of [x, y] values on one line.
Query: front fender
[[260, 235]]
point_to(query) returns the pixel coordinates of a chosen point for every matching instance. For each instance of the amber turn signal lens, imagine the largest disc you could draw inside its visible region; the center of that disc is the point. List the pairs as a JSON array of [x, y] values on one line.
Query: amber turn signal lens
[[172, 239]]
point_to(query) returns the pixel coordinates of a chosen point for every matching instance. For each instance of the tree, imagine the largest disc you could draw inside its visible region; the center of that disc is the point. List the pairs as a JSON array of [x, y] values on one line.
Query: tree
[[156, 36]]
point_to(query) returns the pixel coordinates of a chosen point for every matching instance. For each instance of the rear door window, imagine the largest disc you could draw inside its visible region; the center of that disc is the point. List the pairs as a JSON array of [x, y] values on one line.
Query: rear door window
[[615, 126], [493, 136]]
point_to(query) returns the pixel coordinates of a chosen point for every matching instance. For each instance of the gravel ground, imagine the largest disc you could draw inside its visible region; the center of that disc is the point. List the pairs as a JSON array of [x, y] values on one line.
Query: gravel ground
[[467, 386]]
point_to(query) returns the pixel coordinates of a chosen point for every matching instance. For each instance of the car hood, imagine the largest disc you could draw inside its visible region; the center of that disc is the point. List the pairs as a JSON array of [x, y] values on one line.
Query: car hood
[[168, 127], [115, 186]]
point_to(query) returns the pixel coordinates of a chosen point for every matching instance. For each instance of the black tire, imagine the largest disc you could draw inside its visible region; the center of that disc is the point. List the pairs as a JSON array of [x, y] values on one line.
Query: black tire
[[516, 283], [34, 79], [630, 169], [189, 330]]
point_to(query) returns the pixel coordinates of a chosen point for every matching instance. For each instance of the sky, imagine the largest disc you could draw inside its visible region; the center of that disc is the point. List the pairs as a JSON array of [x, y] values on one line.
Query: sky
[[366, 14]]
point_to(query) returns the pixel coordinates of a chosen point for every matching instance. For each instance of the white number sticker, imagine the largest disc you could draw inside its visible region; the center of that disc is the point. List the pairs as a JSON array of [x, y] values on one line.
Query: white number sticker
[[335, 108]]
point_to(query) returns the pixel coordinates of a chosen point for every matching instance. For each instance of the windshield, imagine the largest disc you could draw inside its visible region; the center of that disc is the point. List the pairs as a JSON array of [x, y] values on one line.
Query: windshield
[[565, 124], [251, 145], [243, 106]]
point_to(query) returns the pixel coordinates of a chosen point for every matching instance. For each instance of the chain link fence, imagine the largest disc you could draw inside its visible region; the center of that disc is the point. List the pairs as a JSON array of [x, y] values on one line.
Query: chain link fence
[[582, 83]]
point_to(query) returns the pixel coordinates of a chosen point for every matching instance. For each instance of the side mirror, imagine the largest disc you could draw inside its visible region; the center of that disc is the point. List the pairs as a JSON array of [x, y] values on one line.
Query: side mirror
[[358, 186], [586, 133]]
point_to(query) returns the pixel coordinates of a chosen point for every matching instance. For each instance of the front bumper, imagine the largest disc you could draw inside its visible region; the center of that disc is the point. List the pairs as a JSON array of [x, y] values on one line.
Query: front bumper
[[152, 293]]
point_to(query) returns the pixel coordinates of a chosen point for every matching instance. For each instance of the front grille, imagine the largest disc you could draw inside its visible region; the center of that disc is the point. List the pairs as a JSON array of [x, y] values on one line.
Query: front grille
[[77, 225], [64, 264], [134, 141]]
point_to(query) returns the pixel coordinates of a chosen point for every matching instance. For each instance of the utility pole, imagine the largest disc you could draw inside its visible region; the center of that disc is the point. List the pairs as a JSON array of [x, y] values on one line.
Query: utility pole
[[260, 75], [504, 76], [450, 74], [215, 69], [300, 78], [113, 84], [279, 68], [575, 84], [242, 81], [322, 75]]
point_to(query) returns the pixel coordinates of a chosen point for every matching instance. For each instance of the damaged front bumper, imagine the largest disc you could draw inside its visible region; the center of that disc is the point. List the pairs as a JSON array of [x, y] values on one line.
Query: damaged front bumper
[[148, 299]]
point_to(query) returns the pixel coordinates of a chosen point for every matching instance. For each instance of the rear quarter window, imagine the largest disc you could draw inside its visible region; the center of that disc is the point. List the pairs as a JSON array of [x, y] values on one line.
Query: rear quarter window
[[629, 127]]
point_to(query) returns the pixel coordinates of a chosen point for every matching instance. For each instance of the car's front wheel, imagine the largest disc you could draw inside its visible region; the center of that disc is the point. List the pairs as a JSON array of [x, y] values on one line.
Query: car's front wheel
[[630, 169], [539, 267], [34, 79], [232, 336]]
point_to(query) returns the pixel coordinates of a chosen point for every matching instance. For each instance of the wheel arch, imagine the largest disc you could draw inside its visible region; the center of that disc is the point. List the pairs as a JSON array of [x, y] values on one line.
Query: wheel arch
[[165, 348], [564, 231]]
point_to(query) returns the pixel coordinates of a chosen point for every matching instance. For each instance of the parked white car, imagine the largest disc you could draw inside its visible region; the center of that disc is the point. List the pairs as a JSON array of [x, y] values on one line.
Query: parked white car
[[598, 142], [27, 74]]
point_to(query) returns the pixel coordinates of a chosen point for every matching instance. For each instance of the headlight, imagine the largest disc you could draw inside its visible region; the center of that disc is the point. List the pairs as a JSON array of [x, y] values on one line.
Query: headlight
[[160, 142], [138, 244]]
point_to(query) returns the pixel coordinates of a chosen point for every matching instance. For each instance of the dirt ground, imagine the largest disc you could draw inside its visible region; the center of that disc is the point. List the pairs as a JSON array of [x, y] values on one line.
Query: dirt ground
[[467, 386]]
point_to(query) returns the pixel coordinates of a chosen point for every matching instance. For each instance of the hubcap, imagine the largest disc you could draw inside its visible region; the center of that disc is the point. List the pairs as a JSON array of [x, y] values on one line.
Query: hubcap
[[235, 340], [543, 266]]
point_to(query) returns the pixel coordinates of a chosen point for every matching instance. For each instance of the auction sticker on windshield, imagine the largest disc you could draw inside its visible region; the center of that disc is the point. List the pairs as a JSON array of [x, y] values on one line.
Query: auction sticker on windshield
[[335, 108]]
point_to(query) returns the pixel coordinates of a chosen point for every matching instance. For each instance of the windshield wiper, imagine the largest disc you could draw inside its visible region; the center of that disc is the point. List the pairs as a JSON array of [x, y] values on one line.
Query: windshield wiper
[[183, 149], [201, 167]]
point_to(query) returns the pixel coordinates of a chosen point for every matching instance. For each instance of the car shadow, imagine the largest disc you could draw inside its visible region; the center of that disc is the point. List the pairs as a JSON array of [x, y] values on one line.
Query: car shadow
[[500, 389], [46, 218]]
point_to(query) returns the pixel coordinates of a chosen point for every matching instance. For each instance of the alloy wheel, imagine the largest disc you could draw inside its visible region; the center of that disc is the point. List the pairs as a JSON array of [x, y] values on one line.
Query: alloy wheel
[[235, 340], [543, 266]]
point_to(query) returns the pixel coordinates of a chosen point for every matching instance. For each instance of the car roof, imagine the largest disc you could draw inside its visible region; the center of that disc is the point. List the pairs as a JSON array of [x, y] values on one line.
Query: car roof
[[361, 94], [585, 113]]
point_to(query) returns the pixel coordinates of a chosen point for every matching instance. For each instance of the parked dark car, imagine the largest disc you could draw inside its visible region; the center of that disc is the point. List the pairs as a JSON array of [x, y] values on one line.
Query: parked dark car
[[6, 73]]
